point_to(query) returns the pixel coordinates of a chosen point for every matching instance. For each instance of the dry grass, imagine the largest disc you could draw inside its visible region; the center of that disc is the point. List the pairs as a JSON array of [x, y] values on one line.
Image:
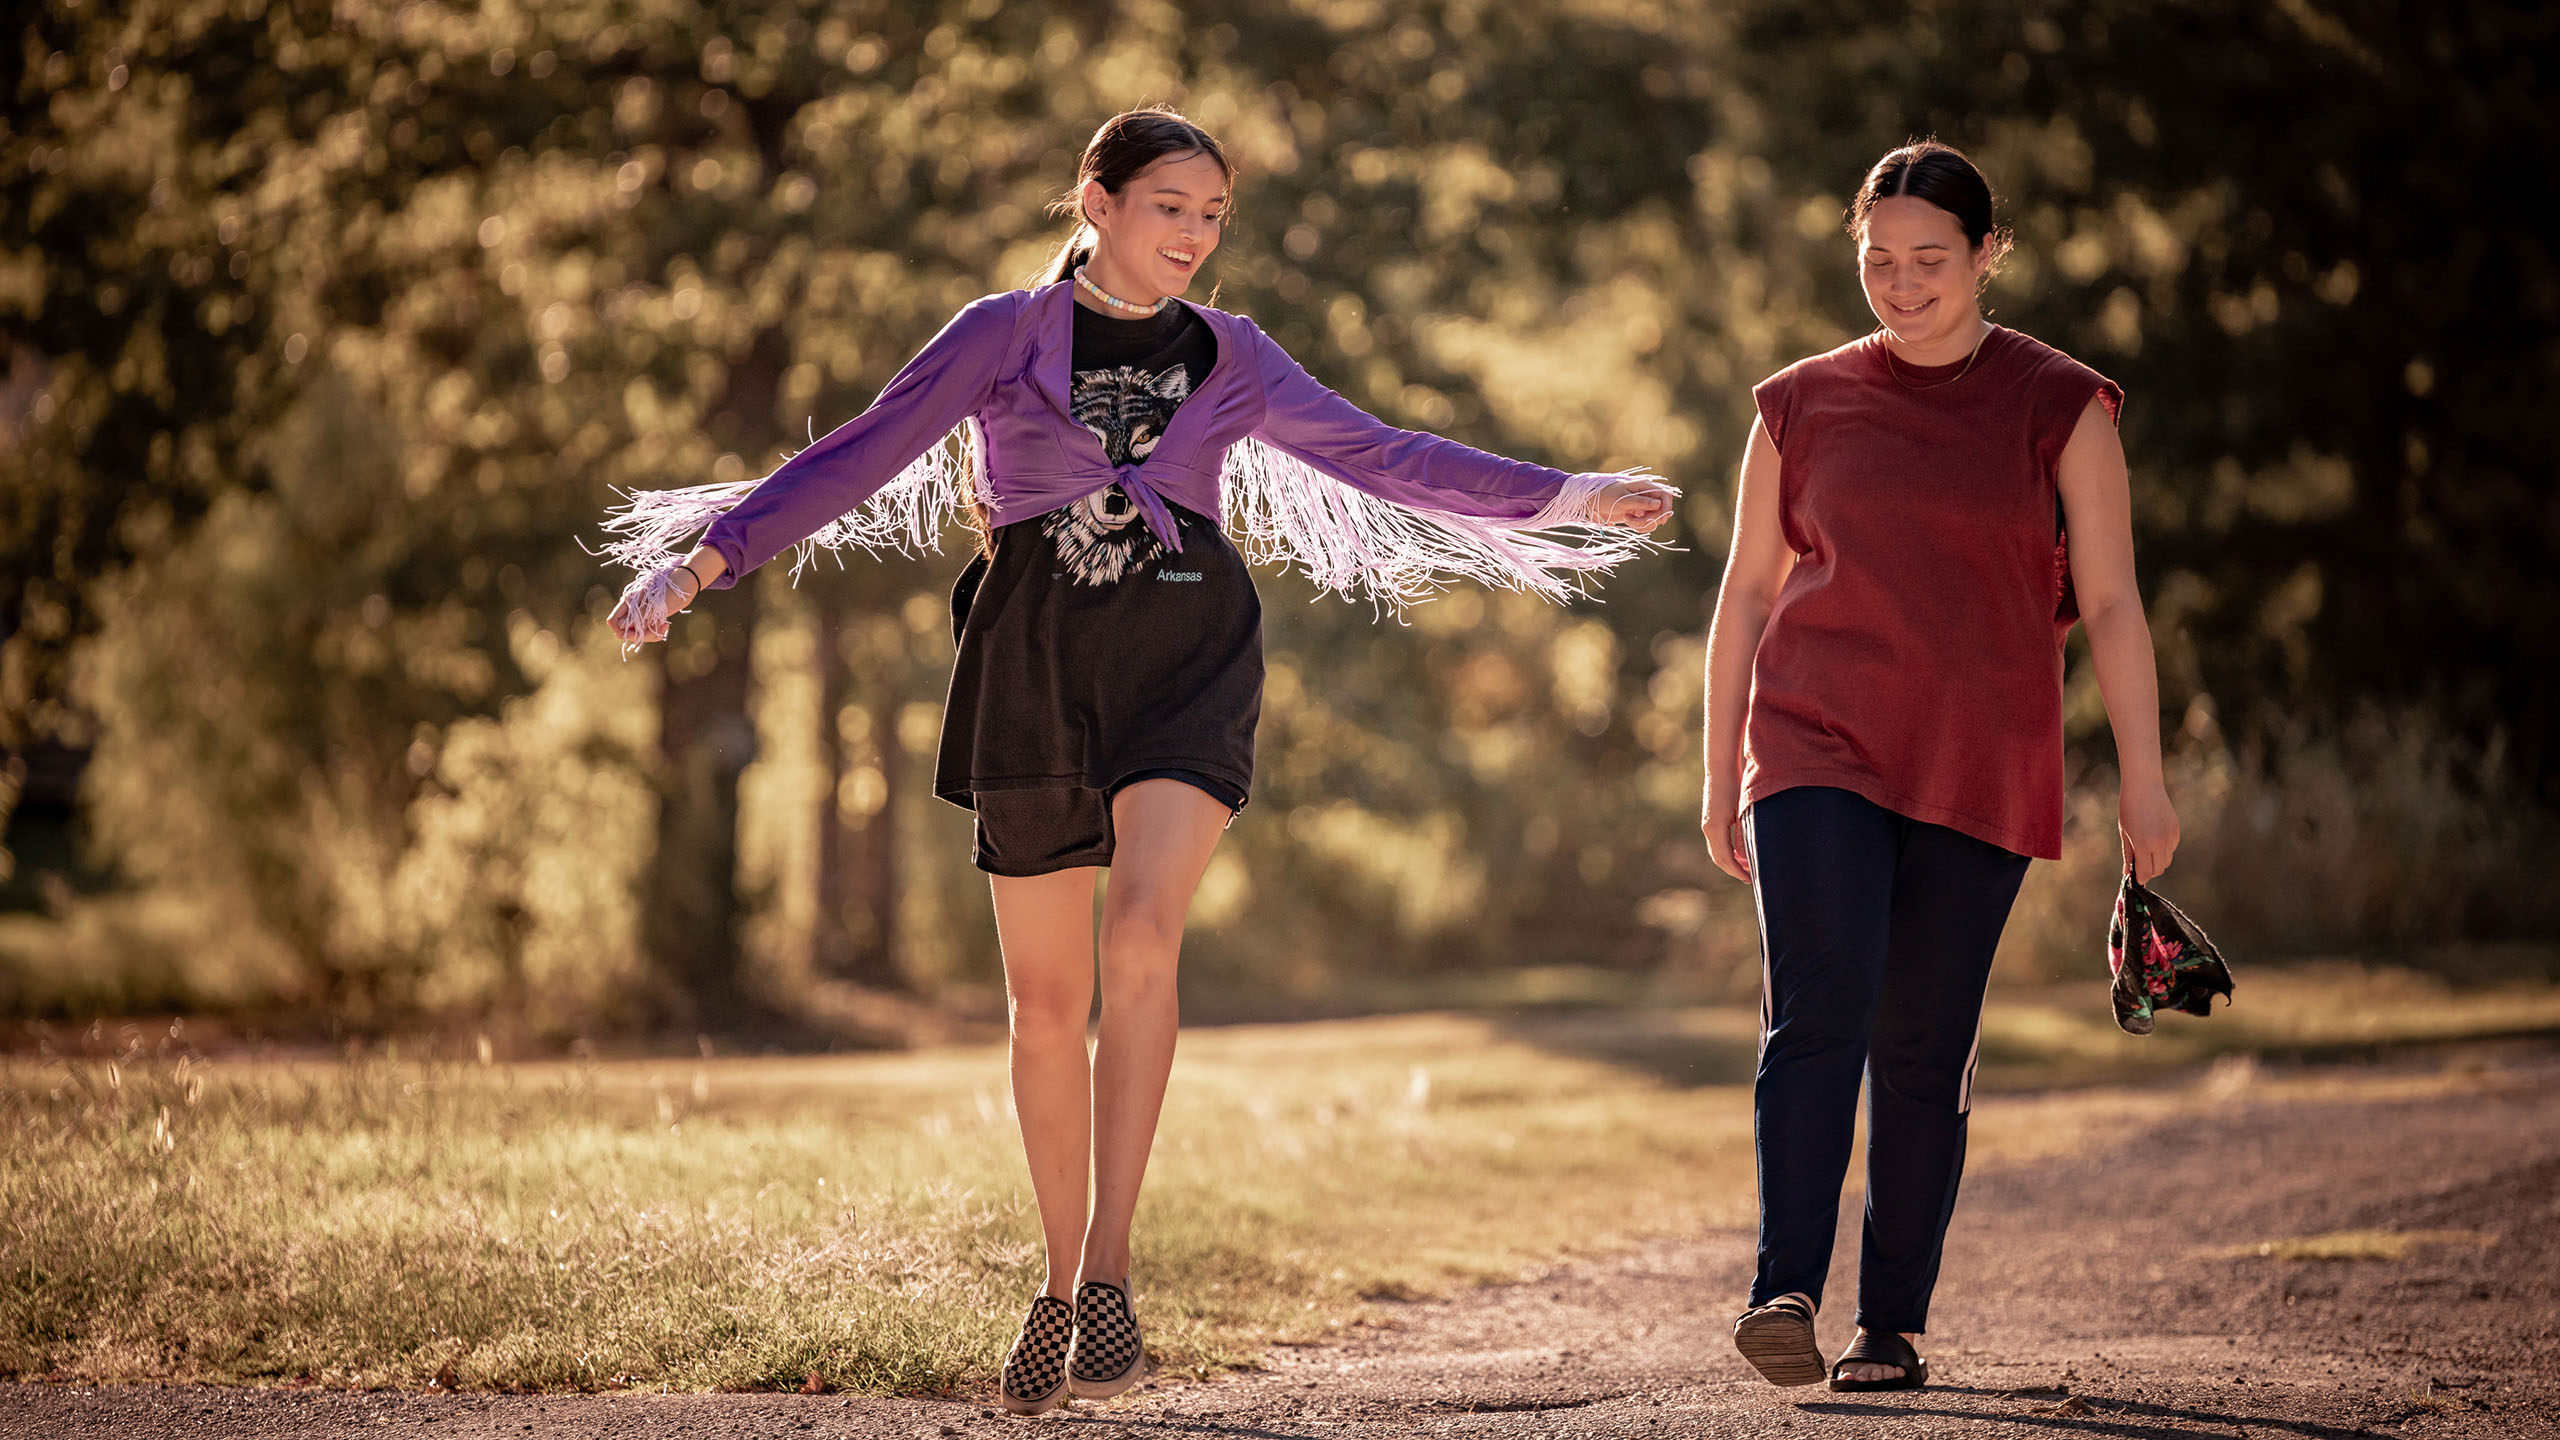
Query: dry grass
[[748, 1223], [2388, 838], [2355, 1245], [2064, 1034]]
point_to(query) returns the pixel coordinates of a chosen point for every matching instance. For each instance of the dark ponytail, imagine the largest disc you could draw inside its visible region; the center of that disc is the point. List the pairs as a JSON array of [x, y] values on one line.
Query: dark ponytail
[[1941, 175]]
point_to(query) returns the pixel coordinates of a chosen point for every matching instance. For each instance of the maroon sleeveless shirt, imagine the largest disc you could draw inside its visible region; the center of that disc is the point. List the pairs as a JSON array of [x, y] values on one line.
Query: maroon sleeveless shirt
[[1915, 653]]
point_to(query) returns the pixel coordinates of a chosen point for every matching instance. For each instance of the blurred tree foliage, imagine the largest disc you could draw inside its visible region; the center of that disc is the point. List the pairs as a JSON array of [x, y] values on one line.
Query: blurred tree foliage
[[331, 328]]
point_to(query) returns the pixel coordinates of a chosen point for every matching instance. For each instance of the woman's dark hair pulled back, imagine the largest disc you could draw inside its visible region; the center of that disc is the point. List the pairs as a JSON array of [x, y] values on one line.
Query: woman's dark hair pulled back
[[1940, 174], [1125, 146]]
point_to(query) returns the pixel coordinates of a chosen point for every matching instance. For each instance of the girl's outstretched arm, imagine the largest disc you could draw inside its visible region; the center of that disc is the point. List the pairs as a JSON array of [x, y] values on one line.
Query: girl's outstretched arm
[[947, 381], [752, 522], [1422, 471]]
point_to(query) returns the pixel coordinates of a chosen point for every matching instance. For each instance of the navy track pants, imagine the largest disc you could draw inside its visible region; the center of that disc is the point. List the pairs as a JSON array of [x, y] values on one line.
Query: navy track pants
[[1876, 937]]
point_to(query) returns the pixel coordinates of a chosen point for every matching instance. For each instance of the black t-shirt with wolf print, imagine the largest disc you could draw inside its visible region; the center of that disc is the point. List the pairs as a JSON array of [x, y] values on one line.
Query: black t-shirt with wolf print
[[1089, 653], [1130, 376]]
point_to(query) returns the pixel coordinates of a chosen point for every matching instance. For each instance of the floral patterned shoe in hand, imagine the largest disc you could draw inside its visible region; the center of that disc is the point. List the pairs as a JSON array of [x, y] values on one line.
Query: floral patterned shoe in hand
[[2161, 959], [1035, 1370], [1109, 1351]]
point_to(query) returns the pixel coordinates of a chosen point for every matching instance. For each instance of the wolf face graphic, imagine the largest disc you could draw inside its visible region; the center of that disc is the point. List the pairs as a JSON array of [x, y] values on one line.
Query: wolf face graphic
[[1100, 538]]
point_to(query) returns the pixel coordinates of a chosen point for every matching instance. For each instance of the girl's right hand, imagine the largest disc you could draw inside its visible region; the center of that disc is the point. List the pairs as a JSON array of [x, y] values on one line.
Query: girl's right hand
[[630, 622]]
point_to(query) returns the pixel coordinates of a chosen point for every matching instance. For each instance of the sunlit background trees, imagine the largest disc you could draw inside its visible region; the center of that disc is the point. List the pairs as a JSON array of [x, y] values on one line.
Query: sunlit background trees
[[332, 330]]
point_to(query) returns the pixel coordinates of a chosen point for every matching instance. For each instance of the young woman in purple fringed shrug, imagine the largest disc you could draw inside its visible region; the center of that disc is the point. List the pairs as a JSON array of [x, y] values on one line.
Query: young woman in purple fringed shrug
[[1104, 435]]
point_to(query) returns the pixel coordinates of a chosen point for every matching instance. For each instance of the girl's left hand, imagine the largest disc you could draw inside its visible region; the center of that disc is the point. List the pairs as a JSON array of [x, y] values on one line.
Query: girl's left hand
[[1635, 503], [2149, 827]]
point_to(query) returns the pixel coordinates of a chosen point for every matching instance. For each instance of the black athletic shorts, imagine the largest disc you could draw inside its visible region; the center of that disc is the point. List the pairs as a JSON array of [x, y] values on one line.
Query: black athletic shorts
[[1036, 831]]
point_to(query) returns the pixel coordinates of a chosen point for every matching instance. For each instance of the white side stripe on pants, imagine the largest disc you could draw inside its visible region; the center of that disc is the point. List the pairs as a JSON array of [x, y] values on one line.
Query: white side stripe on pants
[[1760, 916]]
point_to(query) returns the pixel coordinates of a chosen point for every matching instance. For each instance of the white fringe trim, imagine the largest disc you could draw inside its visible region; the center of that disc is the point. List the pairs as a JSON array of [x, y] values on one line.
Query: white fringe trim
[[1283, 510], [909, 513], [906, 515], [1279, 509], [1578, 503]]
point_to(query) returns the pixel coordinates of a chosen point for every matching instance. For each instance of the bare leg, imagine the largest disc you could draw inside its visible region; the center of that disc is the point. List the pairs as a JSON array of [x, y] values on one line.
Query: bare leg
[[1045, 924], [1163, 833]]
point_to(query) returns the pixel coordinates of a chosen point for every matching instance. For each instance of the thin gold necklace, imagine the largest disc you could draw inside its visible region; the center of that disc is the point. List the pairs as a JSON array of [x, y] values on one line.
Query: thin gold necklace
[[1896, 373]]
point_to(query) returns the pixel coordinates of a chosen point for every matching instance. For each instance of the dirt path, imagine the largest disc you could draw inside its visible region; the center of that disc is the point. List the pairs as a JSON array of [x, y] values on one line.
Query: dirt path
[[2116, 1292]]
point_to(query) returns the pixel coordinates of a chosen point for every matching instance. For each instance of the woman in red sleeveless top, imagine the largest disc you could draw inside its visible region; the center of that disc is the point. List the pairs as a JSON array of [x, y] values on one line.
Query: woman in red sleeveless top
[[1924, 513]]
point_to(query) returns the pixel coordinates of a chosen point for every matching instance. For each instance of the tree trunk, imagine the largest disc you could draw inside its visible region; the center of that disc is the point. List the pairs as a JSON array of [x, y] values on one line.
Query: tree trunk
[[706, 739], [857, 930]]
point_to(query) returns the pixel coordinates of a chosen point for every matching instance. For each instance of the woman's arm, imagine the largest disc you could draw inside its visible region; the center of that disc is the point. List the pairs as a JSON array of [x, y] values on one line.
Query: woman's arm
[[1753, 572], [1430, 472], [2097, 510]]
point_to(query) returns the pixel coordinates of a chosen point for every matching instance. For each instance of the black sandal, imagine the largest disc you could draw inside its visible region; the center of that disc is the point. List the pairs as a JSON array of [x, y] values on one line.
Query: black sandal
[[1881, 1347], [1777, 1338]]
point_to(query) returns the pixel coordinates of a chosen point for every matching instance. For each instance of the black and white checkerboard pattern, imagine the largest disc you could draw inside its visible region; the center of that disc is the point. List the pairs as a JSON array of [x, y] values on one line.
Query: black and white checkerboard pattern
[[1108, 1347], [1036, 1368]]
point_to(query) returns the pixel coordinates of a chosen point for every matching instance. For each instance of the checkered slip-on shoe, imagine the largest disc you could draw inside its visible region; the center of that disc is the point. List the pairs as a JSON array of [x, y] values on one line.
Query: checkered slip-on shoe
[[1035, 1370], [1109, 1352]]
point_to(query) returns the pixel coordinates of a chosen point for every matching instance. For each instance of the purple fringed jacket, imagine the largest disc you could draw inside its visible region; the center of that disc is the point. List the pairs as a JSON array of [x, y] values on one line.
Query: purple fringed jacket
[[1300, 473]]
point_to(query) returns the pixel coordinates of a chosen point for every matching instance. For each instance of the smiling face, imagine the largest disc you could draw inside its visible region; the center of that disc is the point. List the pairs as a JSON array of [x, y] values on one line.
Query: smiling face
[[1160, 229], [1922, 276]]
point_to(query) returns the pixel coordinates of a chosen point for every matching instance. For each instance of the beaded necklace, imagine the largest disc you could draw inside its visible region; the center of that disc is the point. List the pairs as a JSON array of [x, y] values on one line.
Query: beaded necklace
[[1114, 301]]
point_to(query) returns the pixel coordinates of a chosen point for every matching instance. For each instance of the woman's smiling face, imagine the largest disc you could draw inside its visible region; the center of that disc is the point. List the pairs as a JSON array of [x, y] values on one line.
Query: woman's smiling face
[[1160, 229], [1922, 276]]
